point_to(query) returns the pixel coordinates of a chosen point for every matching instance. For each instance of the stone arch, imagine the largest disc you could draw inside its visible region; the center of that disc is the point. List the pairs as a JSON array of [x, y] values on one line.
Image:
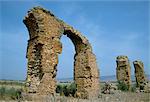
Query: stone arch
[[45, 31]]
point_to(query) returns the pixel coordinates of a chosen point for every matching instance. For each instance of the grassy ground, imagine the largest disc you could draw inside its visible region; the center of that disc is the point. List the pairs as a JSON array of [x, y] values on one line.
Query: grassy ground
[[10, 91]]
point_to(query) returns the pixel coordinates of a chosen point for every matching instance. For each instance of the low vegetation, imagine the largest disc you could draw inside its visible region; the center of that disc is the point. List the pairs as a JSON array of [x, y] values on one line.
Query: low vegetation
[[66, 89], [10, 93], [10, 90], [122, 86]]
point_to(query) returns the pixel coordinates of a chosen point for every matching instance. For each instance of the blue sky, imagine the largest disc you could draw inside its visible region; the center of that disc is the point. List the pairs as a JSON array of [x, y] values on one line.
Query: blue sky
[[112, 27]]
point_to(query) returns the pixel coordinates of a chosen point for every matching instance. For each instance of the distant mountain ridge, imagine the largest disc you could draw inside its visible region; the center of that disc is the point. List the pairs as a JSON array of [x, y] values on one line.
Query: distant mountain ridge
[[103, 78]]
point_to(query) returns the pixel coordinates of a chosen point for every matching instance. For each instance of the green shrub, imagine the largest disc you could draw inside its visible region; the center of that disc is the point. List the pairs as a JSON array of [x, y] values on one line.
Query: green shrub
[[133, 88], [2, 91], [10, 93], [72, 89], [67, 90], [122, 86], [14, 93], [59, 88]]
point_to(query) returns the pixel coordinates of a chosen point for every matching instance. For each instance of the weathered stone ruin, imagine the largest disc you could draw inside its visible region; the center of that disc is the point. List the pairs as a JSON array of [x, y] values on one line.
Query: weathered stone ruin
[[123, 70], [139, 74], [44, 46]]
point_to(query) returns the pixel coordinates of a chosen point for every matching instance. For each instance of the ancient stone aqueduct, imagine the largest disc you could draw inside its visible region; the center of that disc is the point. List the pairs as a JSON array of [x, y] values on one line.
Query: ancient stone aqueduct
[[45, 31], [44, 46]]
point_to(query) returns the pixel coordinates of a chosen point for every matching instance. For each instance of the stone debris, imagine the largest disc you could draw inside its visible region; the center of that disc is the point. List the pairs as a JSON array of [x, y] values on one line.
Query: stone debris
[[123, 70], [45, 31], [109, 88], [144, 87], [147, 87], [116, 97]]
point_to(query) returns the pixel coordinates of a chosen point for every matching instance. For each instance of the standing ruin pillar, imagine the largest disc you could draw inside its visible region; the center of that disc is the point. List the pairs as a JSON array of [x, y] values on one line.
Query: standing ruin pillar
[[139, 74], [86, 73], [123, 70], [42, 52]]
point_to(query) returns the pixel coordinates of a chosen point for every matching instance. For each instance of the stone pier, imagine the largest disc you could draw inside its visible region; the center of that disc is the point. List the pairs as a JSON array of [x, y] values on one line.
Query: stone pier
[[123, 70], [139, 74]]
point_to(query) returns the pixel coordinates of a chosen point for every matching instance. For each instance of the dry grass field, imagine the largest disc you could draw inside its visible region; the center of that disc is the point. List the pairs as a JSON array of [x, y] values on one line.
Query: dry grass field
[[10, 91]]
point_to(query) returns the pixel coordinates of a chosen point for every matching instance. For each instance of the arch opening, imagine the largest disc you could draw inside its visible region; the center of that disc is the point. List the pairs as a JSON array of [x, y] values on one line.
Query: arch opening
[[65, 65]]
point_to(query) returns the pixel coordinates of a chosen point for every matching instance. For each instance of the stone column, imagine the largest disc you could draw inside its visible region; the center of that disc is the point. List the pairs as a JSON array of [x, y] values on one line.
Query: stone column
[[86, 73], [42, 52], [139, 74], [123, 70]]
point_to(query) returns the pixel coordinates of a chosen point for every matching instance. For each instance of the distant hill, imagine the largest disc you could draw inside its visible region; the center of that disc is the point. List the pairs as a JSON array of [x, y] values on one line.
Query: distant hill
[[102, 78], [108, 78]]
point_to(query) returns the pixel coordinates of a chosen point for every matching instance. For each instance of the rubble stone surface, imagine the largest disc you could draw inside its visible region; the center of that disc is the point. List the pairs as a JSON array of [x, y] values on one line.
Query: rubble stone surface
[[123, 70], [109, 88], [44, 46]]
